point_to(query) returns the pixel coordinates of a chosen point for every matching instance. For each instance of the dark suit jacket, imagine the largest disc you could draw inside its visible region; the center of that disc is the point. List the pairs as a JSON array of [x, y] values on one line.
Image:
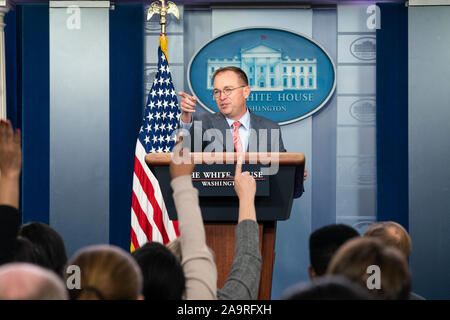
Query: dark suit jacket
[[211, 132]]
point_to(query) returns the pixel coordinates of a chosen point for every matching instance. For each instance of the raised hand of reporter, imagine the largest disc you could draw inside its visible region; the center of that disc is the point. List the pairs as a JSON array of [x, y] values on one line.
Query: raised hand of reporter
[[10, 150], [181, 164], [10, 164], [244, 183], [245, 187]]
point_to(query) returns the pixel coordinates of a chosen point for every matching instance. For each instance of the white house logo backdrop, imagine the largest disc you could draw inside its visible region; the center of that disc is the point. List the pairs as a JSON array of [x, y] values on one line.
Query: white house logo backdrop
[[291, 76], [364, 48]]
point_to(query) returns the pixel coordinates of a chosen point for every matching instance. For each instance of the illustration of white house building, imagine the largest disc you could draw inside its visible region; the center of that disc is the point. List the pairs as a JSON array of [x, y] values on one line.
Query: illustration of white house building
[[266, 69]]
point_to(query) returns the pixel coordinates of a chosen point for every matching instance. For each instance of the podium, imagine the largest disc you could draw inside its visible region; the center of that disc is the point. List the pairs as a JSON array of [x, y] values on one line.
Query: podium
[[220, 211]]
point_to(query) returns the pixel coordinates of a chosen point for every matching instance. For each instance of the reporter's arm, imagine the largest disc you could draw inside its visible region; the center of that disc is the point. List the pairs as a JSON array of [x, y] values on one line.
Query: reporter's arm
[[197, 260], [243, 280], [9, 191], [10, 164]]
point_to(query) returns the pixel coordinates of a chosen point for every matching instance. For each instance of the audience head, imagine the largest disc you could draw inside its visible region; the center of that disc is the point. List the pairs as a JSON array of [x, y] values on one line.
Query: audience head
[[391, 233], [107, 273], [23, 281], [353, 259], [49, 242], [162, 272], [327, 288], [323, 243], [26, 251]]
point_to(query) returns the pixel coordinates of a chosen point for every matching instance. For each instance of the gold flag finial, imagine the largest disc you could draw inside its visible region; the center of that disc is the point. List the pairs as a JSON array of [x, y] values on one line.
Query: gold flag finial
[[163, 10]]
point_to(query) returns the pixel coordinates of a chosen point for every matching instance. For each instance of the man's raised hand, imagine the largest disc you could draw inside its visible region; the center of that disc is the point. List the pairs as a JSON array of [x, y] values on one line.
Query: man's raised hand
[[187, 106]]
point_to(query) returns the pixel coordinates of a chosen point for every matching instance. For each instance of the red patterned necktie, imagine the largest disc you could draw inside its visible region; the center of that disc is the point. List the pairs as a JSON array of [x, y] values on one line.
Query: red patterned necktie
[[236, 138]]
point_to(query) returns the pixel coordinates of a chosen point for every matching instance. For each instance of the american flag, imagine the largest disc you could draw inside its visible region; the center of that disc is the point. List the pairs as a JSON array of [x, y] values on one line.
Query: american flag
[[149, 218]]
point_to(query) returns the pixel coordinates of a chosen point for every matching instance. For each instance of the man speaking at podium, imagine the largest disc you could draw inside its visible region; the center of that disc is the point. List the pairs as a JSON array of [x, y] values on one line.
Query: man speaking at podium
[[234, 129]]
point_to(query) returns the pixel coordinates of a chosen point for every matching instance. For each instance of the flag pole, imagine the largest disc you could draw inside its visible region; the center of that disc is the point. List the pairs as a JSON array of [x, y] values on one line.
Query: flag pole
[[150, 220], [163, 11]]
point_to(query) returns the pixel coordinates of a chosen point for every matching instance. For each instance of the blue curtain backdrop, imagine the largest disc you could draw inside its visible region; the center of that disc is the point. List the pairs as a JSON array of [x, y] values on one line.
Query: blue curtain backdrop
[[392, 114], [126, 106], [33, 39], [27, 60]]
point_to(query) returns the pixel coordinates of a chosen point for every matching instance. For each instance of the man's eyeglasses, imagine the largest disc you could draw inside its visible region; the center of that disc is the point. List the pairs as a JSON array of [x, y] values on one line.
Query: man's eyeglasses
[[227, 91]]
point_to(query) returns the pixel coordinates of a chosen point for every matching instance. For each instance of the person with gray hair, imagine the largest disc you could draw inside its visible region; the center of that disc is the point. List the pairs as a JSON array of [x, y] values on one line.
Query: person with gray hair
[[24, 281], [392, 234]]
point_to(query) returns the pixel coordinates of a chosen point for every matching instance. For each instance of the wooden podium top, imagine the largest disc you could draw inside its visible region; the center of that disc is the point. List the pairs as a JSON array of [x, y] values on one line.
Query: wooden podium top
[[283, 158]]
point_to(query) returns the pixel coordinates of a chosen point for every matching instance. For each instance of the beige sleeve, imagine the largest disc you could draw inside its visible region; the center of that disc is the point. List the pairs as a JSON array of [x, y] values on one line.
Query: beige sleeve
[[198, 262]]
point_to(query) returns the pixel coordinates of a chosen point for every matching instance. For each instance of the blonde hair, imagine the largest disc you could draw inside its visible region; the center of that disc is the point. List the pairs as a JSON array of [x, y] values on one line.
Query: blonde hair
[[107, 273], [356, 255], [392, 234]]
